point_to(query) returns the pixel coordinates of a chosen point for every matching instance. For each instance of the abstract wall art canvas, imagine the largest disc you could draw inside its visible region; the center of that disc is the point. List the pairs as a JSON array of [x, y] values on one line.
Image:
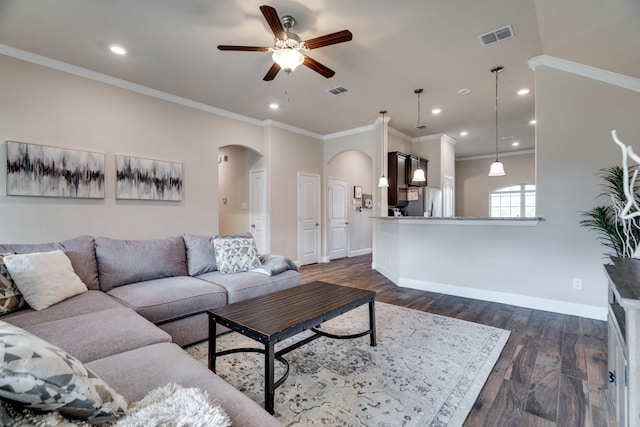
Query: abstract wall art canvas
[[146, 179], [39, 170]]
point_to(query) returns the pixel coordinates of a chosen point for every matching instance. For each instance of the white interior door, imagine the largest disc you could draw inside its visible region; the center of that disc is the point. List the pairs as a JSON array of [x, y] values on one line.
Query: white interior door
[[338, 218], [308, 218], [258, 210]]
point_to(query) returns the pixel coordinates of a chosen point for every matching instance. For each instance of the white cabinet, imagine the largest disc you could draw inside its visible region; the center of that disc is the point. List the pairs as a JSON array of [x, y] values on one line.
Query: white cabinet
[[624, 339]]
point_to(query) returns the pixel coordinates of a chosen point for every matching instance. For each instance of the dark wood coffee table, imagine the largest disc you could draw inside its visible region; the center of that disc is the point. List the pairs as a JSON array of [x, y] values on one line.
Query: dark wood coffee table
[[272, 318]]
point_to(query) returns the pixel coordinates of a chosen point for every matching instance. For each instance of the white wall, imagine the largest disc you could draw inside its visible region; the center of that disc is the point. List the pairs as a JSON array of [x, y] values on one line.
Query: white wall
[[43, 106]]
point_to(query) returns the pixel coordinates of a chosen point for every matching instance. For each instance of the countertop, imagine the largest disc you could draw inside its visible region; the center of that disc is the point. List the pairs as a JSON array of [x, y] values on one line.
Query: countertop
[[463, 220]]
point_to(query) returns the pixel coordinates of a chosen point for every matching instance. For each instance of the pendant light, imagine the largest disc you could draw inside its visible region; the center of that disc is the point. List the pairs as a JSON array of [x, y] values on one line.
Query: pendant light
[[418, 174], [383, 182], [497, 168]]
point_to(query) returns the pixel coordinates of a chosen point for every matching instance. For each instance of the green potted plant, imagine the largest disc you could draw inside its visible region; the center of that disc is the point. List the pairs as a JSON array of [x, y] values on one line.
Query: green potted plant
[[622, 236]]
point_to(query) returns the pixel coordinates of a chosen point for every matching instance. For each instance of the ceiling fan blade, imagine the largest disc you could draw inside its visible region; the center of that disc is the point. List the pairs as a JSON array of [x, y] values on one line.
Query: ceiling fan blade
[[329, 39], [271, 74], [318, 67], [273, 20], [243, 48]]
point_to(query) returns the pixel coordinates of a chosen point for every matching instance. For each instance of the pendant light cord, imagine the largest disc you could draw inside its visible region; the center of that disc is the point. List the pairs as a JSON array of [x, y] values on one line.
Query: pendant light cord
[[496, 71]]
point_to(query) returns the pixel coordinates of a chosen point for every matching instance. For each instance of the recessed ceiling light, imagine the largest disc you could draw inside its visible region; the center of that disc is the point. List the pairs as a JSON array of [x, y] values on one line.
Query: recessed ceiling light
[[523, 91], [436, 111], [118, 50], [515, 143], [274, 106], [464, 91], [464, 133], [533, 122]]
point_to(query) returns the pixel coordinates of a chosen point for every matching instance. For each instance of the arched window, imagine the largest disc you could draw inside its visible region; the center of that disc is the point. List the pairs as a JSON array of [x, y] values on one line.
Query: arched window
[[516, 201]]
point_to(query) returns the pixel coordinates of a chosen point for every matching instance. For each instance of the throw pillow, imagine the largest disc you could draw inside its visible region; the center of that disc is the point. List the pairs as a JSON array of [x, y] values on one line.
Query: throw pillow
[[201, 255], [236, 254], [38, 375], [44, 278], [10, 297]]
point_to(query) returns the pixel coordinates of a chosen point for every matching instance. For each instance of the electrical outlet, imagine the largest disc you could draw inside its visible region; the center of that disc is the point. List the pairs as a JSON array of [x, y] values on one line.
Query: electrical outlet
[[577, 283]]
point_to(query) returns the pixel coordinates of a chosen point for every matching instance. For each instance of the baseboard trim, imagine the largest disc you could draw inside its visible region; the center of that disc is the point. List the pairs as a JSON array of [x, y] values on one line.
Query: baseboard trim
[[359, 252], [563, 307], [386, 273]]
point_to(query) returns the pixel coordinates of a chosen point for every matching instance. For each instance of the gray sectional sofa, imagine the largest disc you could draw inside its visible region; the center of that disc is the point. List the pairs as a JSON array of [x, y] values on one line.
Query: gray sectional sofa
[[145, 300]]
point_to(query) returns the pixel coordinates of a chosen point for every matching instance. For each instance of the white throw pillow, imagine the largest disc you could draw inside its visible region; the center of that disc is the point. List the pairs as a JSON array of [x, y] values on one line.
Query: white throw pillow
[[44, 278]]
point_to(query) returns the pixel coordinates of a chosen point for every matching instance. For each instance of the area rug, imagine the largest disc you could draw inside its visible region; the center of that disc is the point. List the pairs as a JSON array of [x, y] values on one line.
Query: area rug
[[427, 370]]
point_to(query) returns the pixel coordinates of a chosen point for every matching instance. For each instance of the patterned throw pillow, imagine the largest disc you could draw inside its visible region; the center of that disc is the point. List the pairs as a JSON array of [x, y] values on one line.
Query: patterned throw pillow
[[236, 254], [10, 297], [38, 375]]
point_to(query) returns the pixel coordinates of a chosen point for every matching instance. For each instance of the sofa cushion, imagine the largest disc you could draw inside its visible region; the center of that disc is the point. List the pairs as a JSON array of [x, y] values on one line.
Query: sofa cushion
[[88, 302], [38, 375], [201, 255], [95, 335], [80, 251], [189, 330], [135, 372], [10, 297], [121, 262], [163, 300], [248, 285], [44, 278], [236, 254]]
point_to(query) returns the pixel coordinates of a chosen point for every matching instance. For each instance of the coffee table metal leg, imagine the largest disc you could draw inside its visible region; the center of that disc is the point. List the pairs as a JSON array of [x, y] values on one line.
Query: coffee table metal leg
[[212, 343], [372, 323], [269, 388]]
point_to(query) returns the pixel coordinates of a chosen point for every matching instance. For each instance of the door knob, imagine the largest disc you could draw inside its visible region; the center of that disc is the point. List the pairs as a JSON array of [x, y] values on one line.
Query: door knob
[[317, 224], [346, 223], [253, 226]]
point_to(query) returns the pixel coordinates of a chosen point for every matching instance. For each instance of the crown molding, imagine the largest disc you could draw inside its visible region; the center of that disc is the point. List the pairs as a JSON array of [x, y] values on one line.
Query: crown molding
[[599, 74], [123, 84], [436, 136], [348, 132], [400, 135], [293, 129]]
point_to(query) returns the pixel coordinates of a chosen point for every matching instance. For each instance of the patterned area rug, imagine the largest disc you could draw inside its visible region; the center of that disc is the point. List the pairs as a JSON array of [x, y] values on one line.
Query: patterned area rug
[[427, 370]]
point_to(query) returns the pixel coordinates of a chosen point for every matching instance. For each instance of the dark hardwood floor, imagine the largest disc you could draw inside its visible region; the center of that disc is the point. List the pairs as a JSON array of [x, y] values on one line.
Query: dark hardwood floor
[[552, 371]]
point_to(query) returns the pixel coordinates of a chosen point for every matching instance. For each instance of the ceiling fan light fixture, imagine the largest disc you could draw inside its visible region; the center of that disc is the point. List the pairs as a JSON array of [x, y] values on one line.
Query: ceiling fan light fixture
[[288, 59]]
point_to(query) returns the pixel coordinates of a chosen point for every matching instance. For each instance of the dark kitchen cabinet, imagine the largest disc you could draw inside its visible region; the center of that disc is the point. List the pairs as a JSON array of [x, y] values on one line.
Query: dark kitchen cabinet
[[397, 165]]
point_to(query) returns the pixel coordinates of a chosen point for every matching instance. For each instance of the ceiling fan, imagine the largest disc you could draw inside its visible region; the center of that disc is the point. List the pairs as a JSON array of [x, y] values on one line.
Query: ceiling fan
[[287, 47]]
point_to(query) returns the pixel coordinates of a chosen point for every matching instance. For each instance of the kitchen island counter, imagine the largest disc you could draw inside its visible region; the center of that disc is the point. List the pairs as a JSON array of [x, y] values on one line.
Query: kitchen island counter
[[463, 220]]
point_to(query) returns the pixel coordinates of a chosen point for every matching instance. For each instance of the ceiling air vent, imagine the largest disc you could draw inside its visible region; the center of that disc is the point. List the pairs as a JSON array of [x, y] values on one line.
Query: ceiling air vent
[[496, 35], [338, 90]]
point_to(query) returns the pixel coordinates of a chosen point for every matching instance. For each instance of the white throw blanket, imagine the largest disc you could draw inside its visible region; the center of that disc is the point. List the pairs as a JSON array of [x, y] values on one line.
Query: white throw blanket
[[168, 406], [275, 264]]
